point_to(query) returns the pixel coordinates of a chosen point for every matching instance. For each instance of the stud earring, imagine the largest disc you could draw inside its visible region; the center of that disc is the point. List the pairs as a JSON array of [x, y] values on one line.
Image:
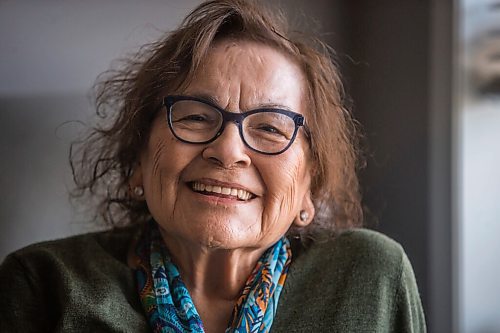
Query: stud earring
[[139, 191], [303, 215]]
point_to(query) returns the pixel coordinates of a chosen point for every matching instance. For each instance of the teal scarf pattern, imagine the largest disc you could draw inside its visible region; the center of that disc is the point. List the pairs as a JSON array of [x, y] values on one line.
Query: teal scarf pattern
[[169, 307]]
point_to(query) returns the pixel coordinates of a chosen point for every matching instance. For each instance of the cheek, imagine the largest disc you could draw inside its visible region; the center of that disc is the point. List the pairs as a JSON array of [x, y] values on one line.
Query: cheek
[[152, 163], [163, 164], [286, 182]]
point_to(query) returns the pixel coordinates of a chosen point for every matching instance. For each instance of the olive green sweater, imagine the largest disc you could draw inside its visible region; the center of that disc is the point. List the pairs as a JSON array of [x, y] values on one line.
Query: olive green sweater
[[361, 281]]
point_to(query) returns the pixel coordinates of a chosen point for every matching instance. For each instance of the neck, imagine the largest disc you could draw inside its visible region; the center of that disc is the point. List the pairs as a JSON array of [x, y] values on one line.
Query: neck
[[216, 274]]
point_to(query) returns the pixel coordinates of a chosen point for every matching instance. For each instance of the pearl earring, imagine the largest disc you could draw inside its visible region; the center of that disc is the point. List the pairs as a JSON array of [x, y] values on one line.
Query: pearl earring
[[139, 191], [303, 215]]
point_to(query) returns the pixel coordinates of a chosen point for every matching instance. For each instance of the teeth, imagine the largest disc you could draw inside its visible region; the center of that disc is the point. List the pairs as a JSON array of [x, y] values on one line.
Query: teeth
[[239, 193], [243, 195]]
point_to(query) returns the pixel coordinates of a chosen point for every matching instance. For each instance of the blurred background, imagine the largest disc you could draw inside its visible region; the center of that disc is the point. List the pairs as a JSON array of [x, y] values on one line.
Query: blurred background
[[424, 78]]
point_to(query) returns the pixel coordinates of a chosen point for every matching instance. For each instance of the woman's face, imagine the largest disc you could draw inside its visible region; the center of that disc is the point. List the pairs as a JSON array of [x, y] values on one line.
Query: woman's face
[[239, 76]]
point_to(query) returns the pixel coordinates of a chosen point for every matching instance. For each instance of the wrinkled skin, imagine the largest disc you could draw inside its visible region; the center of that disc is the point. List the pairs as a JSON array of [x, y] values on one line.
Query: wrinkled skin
[[240, 76]]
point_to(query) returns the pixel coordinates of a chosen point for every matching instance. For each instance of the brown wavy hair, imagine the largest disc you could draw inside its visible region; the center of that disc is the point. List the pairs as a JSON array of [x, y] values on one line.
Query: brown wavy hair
[[128, 98]]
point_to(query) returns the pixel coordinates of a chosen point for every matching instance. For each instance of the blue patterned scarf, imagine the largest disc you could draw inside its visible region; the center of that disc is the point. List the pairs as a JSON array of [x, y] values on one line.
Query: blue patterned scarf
[[169, 306]]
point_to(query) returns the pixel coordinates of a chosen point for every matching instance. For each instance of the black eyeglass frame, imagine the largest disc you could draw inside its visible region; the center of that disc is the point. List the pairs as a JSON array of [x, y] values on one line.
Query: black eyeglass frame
[[236, 118]]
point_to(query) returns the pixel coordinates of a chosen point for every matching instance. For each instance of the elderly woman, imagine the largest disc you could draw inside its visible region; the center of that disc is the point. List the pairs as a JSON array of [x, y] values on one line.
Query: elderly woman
[[232, 161]]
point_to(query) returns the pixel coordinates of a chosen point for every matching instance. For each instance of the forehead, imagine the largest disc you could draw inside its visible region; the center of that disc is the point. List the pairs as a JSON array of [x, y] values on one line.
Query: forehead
[[241, 75]]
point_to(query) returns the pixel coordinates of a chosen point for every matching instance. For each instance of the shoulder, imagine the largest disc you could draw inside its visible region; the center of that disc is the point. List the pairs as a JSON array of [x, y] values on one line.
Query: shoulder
[[367, 245], [109, 244], [365, 241], [359, 258], [359, 281], [360, 249], [65, 259], [56, 283]]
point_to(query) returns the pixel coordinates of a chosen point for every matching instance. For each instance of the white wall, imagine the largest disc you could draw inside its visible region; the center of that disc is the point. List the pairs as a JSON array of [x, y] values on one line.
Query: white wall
[[51, 53], [478, 147], [480, 197]]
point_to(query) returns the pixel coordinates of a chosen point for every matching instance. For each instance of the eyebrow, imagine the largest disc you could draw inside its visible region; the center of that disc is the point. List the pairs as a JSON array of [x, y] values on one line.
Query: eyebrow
[[215, 101]]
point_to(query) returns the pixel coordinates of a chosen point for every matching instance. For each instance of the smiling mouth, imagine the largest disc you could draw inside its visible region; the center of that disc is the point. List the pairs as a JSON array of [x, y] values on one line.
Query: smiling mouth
[[221, 191]]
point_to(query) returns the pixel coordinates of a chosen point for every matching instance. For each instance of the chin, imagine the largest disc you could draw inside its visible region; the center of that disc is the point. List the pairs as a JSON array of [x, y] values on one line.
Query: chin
[[221, 241], [224, 233], [224, 240]]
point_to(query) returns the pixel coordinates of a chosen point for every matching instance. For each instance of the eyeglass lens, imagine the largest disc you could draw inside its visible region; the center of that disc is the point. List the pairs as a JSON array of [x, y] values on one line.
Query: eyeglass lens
[[197, 122]]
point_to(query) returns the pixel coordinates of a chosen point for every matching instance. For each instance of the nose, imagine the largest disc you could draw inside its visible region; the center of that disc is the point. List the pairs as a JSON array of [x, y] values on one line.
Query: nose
[[228, 150]]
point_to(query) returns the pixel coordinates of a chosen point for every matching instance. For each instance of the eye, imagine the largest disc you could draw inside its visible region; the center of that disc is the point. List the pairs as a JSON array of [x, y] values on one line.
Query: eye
[[269, 129], [193, 118]]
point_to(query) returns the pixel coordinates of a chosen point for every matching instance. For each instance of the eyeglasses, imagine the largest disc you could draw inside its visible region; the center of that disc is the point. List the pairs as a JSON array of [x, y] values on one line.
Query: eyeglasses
[[268, 131]]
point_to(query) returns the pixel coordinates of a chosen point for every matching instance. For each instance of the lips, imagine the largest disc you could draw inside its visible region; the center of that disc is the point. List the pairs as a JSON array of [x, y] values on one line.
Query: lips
[[237, 193]]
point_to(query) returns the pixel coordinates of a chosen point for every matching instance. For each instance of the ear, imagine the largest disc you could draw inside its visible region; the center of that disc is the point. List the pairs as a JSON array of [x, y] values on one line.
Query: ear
[[136, 180], [307, 210]]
